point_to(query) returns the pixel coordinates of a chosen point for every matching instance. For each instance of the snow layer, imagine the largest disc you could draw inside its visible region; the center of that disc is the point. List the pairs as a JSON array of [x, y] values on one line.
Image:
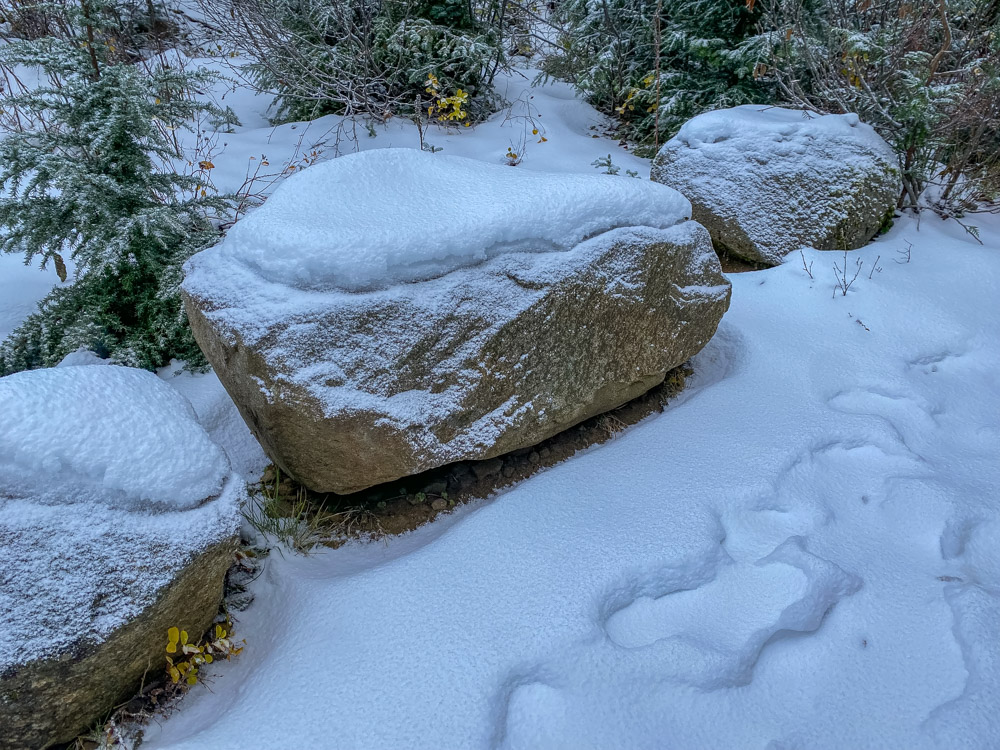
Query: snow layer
[[77, 572], [108, 434], [375, 218], [219, 416], [800, 552], [750, 128], [668, 589]]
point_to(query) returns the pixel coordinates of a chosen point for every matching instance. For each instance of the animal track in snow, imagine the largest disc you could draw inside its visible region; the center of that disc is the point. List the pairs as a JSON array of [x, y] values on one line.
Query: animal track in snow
[[731, 618], [831, 478], [532, 712], [896, 408], [932, 363], [971, 719]]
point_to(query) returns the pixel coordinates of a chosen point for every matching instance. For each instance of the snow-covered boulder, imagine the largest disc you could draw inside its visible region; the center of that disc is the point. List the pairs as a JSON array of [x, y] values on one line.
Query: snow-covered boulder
[[392, 311], [118, 517], [766, 180]]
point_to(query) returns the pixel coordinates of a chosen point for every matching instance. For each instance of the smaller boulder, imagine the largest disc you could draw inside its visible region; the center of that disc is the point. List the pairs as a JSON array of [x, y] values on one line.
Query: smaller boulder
[[118, 520], [766, 181]]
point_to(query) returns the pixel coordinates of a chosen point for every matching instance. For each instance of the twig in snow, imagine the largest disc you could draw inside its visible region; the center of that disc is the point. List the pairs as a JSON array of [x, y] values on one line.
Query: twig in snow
[[808, 269], [874, 268], [841, 275], [904, 254]]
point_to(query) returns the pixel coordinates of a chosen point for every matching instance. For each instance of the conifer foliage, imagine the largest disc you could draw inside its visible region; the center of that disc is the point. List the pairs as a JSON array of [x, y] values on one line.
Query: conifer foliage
[[95, 173], [924, 73], [658, 63]]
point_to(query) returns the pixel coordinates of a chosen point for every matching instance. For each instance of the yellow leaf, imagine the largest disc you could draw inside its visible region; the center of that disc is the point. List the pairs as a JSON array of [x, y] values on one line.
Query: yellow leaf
[[205, 164], [184, 636], [175, 676], [192, 679], [60, 266]]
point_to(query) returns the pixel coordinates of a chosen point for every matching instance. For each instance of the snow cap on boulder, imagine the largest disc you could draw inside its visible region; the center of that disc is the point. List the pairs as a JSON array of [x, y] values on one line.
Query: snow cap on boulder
[[116, 434], [376, 218]]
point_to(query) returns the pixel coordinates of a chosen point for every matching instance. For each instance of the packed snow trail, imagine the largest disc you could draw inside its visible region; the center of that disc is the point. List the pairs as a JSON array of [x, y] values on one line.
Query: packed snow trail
[[800, 552]]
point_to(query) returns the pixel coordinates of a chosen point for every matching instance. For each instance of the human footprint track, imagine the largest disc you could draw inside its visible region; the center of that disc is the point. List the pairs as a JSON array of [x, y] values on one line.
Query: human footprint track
[[729, 619]]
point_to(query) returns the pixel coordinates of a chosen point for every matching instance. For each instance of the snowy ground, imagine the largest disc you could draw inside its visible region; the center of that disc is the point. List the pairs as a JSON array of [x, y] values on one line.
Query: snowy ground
[[803, 551]]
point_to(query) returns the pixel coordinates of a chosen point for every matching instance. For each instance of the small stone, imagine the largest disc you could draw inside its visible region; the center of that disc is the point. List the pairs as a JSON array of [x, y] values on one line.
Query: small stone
[[436, 488], [545, 452], [268, 476], [439, 504], [487, 469], [534, 457], [508, 471]]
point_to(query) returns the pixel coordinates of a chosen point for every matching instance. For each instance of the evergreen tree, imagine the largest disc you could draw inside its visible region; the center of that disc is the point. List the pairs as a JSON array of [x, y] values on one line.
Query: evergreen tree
[[658, 63], [90, 174]]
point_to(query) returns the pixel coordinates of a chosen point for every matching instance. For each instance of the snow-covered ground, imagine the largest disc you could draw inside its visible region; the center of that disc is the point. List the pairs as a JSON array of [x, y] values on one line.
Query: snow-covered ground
[[802, 551]]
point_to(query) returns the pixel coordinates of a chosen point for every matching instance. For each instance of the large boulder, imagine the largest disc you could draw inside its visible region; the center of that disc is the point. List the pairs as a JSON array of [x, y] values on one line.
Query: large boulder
[[765, 181], [118, 520], [393, 311]]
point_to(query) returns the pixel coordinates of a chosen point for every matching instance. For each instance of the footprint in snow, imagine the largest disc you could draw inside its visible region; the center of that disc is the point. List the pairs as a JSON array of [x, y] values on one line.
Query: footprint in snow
[[732, 617]]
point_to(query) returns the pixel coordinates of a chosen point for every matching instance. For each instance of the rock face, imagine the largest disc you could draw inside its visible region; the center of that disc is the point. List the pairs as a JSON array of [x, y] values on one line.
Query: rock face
[[347, 389], [765, 181], [118, 520]]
